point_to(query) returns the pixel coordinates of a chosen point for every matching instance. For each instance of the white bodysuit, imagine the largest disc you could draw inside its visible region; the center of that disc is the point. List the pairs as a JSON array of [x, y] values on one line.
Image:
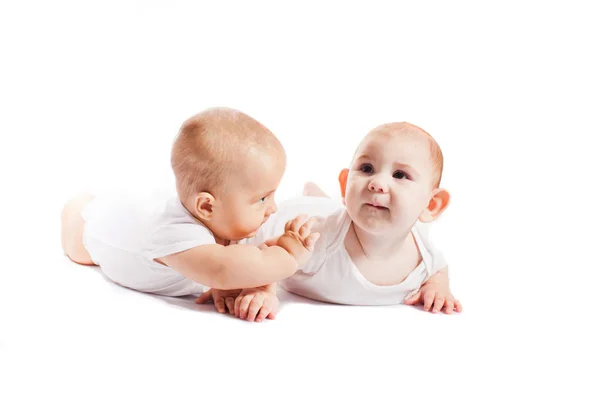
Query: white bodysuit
[[330, 275], [124, 234]]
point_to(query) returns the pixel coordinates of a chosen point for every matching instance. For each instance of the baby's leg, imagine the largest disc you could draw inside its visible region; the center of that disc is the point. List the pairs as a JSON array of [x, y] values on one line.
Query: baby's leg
[[311, 189], [72, 230]]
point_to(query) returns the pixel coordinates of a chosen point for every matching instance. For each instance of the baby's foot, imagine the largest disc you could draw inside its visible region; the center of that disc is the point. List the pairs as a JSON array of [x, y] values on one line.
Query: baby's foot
[[311, 189]]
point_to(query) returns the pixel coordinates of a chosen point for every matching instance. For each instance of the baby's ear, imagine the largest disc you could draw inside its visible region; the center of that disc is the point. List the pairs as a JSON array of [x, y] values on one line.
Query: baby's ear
[[204, 205], [437, 204], [343, 179]]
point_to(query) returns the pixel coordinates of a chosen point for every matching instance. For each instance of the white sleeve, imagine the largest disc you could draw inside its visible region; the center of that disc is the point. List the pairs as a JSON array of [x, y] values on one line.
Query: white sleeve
[[433, 257], [175, 230], [171, 239]]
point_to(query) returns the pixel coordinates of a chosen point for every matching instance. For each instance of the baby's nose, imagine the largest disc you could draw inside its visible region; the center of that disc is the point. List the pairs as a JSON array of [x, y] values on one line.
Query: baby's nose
[[377, 186], [272, 209]]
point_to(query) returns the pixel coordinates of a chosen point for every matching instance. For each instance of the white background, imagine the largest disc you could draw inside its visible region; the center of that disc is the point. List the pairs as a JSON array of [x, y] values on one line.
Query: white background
[[91, 96]]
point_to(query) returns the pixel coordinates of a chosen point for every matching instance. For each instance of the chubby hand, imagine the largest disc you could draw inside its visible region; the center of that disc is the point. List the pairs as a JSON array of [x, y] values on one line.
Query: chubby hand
[[221, 298], [298, 239], [435, 296], [256, 304], [253, 304]]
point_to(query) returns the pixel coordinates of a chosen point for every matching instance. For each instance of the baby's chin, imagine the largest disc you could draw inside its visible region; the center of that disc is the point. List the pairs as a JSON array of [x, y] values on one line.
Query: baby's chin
[[372, 224], [242, 236], [254, 232], [251, 234]]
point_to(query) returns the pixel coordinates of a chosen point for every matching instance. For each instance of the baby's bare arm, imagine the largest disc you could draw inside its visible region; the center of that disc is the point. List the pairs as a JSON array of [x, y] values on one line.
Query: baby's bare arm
[[245, 266], [233, 267]]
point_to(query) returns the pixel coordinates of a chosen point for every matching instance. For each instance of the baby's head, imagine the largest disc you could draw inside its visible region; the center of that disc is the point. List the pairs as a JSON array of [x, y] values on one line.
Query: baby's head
[[394, 179], [227, 167]]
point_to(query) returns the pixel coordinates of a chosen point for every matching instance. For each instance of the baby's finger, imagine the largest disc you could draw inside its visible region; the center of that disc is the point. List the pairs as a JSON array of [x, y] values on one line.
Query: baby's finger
[[244, 304], [288, 225], [306, 228], [439, 303], [298, 222], [449, 307], [310, 241], [428, 300], [254, 308], [263, 313], [303, 232], [274, 309], [229, 301], [264, 310], [220, 304], [204, 297], [268, 243], [457, 305], [236, 306], [271, 242]]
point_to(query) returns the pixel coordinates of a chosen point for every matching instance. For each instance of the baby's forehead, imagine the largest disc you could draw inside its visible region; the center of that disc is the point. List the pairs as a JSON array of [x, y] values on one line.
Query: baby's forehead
[[406, 145], [260, 167]]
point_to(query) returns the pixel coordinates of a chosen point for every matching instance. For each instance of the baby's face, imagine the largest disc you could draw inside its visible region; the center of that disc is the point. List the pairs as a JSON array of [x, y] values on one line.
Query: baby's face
[[249, 200], [389, 182]]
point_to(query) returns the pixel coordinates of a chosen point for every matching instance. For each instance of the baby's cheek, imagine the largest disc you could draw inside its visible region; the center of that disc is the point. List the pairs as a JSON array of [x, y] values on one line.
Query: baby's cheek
[[352, 195]]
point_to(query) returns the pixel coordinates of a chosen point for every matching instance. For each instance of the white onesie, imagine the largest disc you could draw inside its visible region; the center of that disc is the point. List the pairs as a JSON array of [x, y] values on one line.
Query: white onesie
[[330, 275], [124, 234]]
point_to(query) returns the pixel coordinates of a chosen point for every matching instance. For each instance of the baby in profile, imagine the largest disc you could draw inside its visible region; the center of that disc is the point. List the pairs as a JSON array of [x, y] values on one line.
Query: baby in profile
[[227, 167]]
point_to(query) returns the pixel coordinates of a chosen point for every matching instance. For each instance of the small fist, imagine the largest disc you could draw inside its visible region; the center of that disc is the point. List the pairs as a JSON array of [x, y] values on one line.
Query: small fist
[[297, 239]]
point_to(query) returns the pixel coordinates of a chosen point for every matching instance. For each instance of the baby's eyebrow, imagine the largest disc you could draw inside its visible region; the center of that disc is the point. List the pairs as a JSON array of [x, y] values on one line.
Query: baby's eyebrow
[[406, 167], [266, 194]]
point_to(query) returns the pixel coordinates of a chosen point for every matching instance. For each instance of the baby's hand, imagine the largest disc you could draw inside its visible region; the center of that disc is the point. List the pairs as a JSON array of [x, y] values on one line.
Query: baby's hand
[[221, 299], [256, 304], [297, 238], [436, 294]]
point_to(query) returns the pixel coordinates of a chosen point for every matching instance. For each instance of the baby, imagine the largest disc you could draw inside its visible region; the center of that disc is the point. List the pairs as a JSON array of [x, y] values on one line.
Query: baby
[[227, 167], [375, 250]]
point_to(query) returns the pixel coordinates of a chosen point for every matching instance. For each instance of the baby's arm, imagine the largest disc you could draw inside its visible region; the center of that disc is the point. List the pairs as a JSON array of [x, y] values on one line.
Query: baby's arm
[[252, 304], [246, 266], [434, 293]]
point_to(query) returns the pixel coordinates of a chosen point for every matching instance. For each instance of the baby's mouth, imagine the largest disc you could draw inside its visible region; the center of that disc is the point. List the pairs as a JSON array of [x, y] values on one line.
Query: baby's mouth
[[376, 206]]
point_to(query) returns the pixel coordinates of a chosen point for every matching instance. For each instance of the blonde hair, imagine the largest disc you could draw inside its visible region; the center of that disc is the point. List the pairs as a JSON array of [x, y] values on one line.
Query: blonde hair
[[405, 128], [212, 145]]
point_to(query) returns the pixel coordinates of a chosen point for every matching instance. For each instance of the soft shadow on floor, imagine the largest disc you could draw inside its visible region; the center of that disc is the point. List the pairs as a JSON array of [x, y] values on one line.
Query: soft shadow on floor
[[188, 302]]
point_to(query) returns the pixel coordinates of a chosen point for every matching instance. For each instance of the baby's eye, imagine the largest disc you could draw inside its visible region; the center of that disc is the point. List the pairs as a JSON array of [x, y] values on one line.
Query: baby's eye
[[400, 175], [366, 168], [262, 200]]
